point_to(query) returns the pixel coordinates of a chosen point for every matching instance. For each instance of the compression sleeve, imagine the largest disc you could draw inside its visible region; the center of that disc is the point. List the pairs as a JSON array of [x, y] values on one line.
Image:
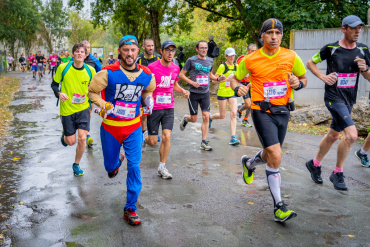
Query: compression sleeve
[[55, 87]]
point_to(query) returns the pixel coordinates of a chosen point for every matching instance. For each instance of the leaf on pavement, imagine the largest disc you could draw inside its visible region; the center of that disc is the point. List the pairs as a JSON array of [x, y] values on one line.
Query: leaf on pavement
[[250, 203], [15, 159], [351, 236]]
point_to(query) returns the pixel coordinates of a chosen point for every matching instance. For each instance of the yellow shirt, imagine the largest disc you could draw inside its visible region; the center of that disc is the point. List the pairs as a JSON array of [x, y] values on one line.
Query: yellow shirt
[[224, 89]]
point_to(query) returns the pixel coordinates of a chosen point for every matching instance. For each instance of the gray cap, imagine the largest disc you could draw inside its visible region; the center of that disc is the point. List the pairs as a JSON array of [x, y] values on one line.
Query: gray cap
[[168, 43], [352, 21]]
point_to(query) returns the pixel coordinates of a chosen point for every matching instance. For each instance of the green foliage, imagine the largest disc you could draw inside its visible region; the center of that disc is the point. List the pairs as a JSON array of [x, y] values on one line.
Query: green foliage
[[81, 29]]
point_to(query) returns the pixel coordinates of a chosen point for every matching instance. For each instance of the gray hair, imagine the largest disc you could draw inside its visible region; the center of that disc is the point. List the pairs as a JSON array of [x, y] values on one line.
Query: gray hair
[[250, 45], [211, 37]]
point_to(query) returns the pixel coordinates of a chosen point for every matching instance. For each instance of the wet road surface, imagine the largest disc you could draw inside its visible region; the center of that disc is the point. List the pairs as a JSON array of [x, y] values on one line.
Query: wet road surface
[[205, 204]]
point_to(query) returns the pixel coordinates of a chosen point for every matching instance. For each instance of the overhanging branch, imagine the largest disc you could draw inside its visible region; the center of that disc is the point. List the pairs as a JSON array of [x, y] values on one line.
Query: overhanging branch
[[212, 11]]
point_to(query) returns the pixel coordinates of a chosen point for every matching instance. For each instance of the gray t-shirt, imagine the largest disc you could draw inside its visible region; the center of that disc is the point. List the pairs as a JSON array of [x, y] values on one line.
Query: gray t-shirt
[[199, 70]]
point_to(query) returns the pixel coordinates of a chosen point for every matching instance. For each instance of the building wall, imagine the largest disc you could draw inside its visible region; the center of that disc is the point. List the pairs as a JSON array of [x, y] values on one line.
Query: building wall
[[307, 43]]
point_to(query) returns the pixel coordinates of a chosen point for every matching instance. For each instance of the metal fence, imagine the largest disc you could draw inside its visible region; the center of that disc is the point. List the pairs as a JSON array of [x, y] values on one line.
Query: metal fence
[[2, 63]]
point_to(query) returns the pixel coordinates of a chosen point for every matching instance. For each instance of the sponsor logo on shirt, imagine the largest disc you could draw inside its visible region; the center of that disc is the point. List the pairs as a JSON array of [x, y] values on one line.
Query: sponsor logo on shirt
[[128, 92], [200, 67], [166, 81]]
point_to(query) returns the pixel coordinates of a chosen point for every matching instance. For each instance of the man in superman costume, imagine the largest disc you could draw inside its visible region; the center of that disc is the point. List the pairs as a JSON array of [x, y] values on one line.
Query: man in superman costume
[[122, 85]]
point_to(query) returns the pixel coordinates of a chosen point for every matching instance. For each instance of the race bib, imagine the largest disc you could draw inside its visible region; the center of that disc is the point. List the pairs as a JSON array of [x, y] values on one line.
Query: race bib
[[227, 83], [275, 90], [202, 79], [78, 98], [163, 98], [40, 64], [346, 80], [124, 110]]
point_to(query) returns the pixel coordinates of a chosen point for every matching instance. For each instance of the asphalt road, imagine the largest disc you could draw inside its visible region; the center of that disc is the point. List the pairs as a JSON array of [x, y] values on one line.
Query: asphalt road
[[205, 204]]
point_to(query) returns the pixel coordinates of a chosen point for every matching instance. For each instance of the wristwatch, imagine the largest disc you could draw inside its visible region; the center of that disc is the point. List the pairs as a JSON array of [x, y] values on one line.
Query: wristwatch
[[367, 69]]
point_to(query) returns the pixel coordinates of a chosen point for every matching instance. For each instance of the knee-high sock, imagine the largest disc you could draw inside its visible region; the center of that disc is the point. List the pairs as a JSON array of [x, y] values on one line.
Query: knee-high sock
[[256, 160], [274, 182]]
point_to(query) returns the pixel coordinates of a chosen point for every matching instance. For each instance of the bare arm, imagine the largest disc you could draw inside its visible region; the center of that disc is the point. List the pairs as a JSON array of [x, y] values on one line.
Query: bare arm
[[363, 67], [328, 79], [183, 77], [234, 82], [177, 88], [149, 89]]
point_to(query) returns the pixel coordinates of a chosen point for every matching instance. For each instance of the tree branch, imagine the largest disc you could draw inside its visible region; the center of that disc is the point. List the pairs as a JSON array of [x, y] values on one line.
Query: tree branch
[[212, 11]]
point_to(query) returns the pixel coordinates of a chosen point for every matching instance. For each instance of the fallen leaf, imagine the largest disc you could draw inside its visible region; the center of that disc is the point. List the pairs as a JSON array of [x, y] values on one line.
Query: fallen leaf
[[223, 187], [351, 236], [174, 164], [11, 152], [4, 216], [15, 159], [21, 203], [286, 196], [0, 185], [250, 203]]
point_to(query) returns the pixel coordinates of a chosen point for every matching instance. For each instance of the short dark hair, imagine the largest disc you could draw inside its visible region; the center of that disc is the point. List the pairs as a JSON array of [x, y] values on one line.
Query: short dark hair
[[95, 53], [201, 41], [78, 46], [181, 48], [145, 40], [346, 26]]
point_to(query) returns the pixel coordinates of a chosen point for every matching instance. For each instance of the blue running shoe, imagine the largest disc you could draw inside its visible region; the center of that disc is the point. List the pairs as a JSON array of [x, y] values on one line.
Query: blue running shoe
[[363, 158], [210, 121], [62, 140], [89, 141], [159, 139], [77, 170], [234, 141]]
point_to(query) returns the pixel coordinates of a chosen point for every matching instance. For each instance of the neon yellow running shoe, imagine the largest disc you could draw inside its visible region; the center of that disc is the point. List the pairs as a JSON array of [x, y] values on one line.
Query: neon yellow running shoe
[[89, 141], [282, 214], [247, 173]]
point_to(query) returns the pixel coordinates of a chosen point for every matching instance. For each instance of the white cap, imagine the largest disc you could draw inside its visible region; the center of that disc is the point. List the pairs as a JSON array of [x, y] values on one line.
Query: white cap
[[110, 53], [230, 51]]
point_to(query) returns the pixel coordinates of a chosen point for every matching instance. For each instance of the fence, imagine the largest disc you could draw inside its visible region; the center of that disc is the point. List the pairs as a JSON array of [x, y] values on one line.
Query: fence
[[2, 63]]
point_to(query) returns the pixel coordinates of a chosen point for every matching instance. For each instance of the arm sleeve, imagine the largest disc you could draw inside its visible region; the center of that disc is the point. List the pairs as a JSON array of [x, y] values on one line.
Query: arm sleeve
[[367, 56], [55, 87], [242, 70], [298, 67], [221, 69], [97, 84], [322, 55]]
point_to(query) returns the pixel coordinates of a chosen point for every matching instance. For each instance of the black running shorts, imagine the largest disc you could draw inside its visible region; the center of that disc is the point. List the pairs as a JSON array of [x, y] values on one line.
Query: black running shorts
[[78, 120], [196, 99], [271, 128], [341, 115], [164, 117]]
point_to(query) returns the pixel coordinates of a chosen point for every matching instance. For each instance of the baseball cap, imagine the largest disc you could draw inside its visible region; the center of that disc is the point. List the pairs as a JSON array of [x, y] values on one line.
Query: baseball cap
[[271, 23], [124, 41], [352, 21], [230, 51], [167, 43], [110, 53]]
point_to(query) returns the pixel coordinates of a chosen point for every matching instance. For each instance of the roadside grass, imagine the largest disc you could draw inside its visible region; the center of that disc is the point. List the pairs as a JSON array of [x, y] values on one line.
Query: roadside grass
[[8, 86], [320, 129]]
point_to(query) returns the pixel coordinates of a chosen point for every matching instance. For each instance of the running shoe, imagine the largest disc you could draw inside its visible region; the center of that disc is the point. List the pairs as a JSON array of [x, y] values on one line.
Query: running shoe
[[315, 172], [40, 79], [246, 123], [62, 140], [239, 115], [183, 123], [145, 134], [33, 77], [77, 170], [247, 173], [159, 139], [163, 173], [210, 121], [282, 214], [205, 146], [363, 158], [234, 141], [89, 141], [338, 181], [131, 217], [115, 171]]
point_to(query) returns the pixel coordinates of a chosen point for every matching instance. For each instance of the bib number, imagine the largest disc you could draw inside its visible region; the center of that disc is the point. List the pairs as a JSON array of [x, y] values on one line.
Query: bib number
[[227, 83], [275, 90], [78, 98], [202, 79], [124, 110], [163, 98], [347, 80]]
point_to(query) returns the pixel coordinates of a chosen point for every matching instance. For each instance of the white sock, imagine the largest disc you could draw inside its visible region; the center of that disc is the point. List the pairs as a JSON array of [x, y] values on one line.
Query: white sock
[[362, 151], [274, 182], [161, 165]]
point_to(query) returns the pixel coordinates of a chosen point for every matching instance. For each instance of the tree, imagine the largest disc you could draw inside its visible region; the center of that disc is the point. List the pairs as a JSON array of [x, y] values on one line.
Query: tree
[[54, 22], [81, 29], [247, 16]]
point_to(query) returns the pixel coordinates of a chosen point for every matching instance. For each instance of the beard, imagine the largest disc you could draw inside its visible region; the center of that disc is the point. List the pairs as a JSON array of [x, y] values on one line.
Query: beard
[[128, 64], [149, 52]]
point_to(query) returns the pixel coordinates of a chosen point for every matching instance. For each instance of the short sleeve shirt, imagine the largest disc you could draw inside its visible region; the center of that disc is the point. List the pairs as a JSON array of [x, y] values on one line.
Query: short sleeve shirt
[[199, 70], [10, 59], [40, 59], [224, 88], [165, 78], [75, 84], [341, 61], [269, 75]]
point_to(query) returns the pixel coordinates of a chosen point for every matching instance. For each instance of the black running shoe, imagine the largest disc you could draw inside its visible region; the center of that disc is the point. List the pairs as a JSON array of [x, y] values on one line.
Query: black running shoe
[[115, 171], [315, 172], [338, 181]]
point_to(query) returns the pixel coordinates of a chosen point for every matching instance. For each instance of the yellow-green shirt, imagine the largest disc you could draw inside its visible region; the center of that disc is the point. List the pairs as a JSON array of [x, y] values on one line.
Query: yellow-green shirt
[[75, 84], [224, 88]]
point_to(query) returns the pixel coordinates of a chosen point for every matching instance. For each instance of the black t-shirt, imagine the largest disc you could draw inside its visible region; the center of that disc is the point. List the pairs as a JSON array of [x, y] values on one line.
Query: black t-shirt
[[341, 60], [40, 59], [211, 46], [90, 62], [22, 59]]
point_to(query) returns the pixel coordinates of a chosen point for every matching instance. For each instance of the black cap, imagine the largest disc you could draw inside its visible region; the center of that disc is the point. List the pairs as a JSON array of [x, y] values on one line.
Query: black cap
[[167, 43], [271, 23]]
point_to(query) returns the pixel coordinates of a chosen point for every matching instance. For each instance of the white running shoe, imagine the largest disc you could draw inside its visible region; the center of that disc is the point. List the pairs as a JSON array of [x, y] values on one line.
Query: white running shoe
[[163, 173]]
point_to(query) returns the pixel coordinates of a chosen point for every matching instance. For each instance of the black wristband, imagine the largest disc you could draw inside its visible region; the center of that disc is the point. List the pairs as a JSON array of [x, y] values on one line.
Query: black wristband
[[236, 91], [300, 86], [363, 71]]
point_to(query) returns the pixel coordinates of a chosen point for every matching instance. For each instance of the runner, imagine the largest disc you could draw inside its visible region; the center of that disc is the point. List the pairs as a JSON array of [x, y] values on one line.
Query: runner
[[96, 55], [110, 60], [270, 69], [61, 56], [166, 76], [74, 104], [346, 60], [22, 61], [225, 93], [29, 59], [49, 66], [247, 98], [10, 60], [67, 58], [146, 58], [40, 64], [199, 68], [45, 63], [53, 63], [34, 66], [122, 85], [180, 58]]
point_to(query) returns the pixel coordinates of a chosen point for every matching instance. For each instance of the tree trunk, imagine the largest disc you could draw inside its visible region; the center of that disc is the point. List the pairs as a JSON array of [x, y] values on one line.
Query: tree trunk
[[154, 17]]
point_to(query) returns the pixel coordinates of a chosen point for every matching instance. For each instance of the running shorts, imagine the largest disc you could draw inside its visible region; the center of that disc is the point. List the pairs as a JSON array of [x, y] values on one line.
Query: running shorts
[[271, 128], [196, 99], [34, 68], [78, 120], [248, 95], [341, 115], [224, 98], [40, 67], [162, 116]]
